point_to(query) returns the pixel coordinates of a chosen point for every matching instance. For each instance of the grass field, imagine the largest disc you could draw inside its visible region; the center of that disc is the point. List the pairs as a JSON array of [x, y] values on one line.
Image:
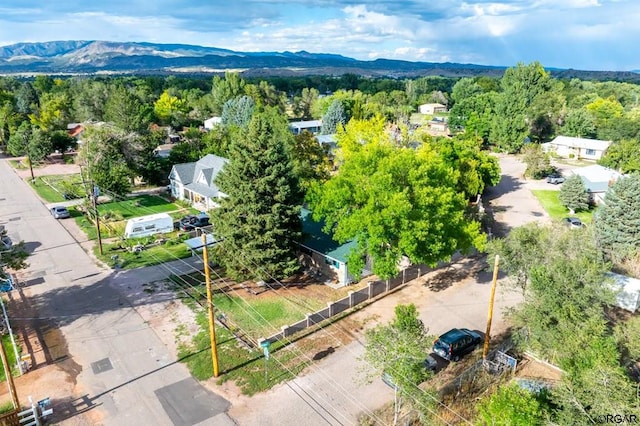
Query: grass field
[[139, 206], [173, 249], [51, 188], [255, 317], [115, 214], [551, 204], [11, 357]]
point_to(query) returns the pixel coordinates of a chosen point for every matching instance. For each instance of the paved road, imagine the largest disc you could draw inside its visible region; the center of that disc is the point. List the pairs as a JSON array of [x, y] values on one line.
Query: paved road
[[124, 373]]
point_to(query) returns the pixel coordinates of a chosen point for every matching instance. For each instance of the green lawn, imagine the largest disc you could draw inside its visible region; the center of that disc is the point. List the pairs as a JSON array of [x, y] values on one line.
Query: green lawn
[[11, 357], [139, 206], [115, 214], [50, 188], [173, 249], [246, 367], [551, 204]]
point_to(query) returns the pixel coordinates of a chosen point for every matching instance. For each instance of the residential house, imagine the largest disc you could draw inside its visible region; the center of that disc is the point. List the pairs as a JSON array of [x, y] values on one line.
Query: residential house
[[324, 255], [627, 291], [195, 182], [212, 122], [579, 148], [431, 108], [597, 179], [313, 126]]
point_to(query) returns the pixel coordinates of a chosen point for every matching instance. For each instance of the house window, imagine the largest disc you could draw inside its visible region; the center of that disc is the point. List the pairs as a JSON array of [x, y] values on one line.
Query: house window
[[591, 152], [332, 262]]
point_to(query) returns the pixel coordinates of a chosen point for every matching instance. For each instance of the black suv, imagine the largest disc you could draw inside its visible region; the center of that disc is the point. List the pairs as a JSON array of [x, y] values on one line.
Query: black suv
[[191, 222], [455, 343]]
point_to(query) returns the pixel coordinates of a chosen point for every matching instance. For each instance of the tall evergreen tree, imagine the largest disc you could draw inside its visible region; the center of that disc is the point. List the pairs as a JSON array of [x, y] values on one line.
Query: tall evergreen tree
[[617, 221], [238, 111], [335, 116], [259, 220], [574, 195]]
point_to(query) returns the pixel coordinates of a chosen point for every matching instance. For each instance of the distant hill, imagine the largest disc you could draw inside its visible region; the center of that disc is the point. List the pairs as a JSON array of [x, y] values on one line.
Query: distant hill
[[90, 57]]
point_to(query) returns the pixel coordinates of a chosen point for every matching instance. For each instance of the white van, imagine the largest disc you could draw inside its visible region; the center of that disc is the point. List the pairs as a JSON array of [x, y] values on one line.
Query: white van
[[148, 225]]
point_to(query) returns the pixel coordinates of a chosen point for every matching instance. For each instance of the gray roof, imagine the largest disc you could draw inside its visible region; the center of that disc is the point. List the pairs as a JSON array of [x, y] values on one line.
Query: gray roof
[[597, 178], [209, 165]]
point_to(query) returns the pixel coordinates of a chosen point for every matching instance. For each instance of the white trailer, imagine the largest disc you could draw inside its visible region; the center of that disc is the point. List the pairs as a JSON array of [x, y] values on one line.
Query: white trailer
[[148, 225]]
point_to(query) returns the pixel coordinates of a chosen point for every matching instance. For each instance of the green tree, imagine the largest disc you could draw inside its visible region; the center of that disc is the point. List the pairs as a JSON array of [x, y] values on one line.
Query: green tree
[[623, 156], [520, 88], [238, 111], [303, 104], [537, 161], [89, 99], [170, 109], [520, 252], [54, 112], [574, 195], [478, 169], [465, 88], [393, 201], [511, 406], [31, 142], [230, 87], [310, 159], [26, 99], [13, 258], [617, 221], [627, 333], [106, 155], [9, 120], [579, 123], [259, 220], [333, 118], [563, 310], [127, 111], [399, 349]]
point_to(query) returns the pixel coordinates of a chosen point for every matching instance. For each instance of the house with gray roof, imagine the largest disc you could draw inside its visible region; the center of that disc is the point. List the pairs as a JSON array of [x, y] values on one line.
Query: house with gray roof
[[322, 254], [195, 182], [597, 179], [578, 148], [312, 126]]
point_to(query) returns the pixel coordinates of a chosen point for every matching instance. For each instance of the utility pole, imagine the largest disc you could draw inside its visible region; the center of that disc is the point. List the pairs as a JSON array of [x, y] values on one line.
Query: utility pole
[[95, 195], [212, 328], [10, 383], [487, 334]]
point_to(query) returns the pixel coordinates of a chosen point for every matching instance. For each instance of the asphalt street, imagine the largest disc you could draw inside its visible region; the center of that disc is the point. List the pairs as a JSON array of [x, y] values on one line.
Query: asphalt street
[[125, 374]]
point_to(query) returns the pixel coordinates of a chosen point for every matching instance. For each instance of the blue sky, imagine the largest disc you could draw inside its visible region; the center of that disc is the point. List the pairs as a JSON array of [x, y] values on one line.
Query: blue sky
[[579, 34]]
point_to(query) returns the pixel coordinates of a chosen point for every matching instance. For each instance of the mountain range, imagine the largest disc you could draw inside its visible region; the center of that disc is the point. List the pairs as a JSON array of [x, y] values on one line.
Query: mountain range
[[92, 57]]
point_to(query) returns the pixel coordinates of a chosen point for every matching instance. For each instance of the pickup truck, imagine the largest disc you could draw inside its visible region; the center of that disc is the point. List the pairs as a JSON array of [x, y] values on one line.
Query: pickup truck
[[191, 222]]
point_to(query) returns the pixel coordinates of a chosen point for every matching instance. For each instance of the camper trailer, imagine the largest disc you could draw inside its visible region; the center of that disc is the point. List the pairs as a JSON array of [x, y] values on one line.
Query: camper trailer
[[148, 225]]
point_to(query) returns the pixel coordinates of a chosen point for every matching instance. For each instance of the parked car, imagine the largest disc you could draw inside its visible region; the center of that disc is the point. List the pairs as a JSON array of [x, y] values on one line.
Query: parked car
[[192, 222], [6, 242], [555, 179], [60, 212], [572, 222], [456, 343]]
